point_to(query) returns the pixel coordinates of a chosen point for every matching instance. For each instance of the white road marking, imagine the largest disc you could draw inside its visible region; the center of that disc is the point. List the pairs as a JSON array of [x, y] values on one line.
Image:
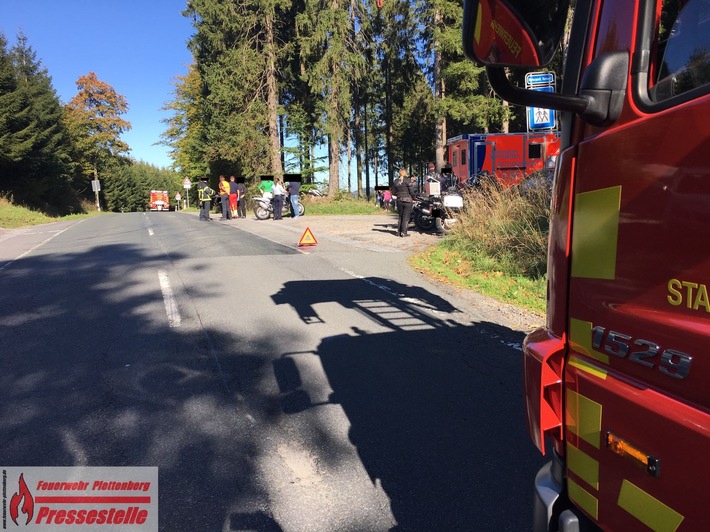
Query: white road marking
[[171, 308], [150, 232], [38, 245]]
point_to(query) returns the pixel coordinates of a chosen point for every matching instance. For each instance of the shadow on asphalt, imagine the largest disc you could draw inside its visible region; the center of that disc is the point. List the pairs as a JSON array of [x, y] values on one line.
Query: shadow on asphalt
[[435, 407]]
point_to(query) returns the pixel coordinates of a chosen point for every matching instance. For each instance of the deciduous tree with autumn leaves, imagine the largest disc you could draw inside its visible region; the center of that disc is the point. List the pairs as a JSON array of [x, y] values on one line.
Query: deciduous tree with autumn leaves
[[93, 119]]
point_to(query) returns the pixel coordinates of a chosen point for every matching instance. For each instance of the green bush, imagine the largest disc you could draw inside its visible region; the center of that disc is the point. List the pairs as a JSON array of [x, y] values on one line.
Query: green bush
[[341, 204]]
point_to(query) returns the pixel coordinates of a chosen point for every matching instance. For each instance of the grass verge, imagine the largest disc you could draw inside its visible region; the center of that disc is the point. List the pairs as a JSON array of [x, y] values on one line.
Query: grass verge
[[450, 265], [339, 205], [14, 216]]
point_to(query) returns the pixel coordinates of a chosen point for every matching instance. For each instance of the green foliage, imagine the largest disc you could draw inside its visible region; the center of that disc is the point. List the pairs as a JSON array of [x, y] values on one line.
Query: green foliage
[[185, 133], [129, 188], [34, 146], [231, 47]]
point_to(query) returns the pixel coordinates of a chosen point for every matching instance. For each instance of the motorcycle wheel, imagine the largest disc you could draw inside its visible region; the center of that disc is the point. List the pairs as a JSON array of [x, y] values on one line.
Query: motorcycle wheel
[[445, 224], [261, 213], [301, 209], [424, 222]]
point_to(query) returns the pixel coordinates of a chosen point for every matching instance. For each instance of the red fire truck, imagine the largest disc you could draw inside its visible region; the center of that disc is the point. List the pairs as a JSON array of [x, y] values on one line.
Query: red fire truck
[[159, 200], [509, 157], [616, 383]]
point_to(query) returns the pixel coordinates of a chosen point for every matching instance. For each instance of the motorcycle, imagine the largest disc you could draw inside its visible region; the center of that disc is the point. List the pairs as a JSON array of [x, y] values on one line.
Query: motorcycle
[[264, 207], [439, 211]]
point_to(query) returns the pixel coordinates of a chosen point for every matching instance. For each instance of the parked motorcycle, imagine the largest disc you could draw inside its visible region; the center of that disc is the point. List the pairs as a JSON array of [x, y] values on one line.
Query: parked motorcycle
[[439, 211], [264, 207]]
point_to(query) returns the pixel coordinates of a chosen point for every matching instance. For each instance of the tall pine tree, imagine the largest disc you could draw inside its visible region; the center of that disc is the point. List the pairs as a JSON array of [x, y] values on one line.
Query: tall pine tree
[[34, 144]]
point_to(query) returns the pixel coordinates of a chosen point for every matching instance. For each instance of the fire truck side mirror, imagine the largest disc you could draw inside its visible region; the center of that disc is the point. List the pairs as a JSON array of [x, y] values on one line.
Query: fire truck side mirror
[[513, 33]]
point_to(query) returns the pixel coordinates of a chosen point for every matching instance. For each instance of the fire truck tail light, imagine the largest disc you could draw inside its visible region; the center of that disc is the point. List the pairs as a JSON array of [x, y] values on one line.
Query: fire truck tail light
[[543, 360], [624, 448]]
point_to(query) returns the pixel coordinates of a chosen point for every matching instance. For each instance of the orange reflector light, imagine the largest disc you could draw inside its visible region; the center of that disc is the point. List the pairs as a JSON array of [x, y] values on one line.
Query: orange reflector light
[[625, 449]]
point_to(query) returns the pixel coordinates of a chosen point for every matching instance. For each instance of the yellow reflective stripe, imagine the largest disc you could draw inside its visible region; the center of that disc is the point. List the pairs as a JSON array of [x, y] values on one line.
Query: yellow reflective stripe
[[477, 30], [585, 500], [583, 465], [580, 336], [583, 417], [595, 233], [585, 366], [647, 509]]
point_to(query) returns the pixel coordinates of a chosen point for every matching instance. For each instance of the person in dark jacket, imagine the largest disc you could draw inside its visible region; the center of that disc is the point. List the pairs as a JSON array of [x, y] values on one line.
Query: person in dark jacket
[[242, 199], [404, 191], [204, 196]]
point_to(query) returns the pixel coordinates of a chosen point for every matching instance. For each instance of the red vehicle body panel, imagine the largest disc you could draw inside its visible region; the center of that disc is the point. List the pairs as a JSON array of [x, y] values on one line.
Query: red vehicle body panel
[[623, 354], [509, 156]]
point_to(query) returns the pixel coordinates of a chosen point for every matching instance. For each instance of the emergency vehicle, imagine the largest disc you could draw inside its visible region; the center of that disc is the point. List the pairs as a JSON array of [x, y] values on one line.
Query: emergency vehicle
[[159, 200], [616, 383], [510, 157]]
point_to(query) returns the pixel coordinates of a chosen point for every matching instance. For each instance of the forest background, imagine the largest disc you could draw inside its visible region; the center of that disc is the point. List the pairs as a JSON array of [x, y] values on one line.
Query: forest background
[[345, 89]]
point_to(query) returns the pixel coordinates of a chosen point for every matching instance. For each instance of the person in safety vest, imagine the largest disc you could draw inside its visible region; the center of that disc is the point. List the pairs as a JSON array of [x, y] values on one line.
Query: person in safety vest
[[204, 195]]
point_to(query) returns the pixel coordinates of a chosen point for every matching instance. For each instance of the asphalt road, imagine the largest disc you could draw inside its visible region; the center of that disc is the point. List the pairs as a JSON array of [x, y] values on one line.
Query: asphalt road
[[320, 388]]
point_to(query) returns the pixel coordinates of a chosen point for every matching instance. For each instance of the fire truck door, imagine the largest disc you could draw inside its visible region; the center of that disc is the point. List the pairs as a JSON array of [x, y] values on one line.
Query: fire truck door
[[637, 406]]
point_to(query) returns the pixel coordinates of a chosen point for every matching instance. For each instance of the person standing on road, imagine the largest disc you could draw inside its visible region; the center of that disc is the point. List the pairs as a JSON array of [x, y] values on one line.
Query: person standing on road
[[279, 193], [233, 197], [294, 190], [178, 197], [224, 196], [241, 199], [404, 192], [204, 195]]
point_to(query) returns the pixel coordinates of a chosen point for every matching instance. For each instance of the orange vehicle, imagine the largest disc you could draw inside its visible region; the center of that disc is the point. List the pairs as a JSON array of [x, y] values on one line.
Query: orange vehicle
[[616, 383], [510, 157], [159, 200]]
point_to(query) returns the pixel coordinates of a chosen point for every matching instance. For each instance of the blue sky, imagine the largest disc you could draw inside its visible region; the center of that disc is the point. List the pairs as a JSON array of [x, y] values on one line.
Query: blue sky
[[138, 47]]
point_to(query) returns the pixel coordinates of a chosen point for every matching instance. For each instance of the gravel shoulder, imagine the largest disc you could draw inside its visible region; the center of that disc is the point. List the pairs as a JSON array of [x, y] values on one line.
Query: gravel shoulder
[[379, 231]]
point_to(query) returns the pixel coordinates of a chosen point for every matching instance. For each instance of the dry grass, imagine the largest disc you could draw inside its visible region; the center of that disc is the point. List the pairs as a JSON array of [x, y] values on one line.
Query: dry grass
[[499, 248], [507, 229]]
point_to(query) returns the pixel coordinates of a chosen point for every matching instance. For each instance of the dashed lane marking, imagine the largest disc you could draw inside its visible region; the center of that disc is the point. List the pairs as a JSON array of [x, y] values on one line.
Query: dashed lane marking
[[171, 308]]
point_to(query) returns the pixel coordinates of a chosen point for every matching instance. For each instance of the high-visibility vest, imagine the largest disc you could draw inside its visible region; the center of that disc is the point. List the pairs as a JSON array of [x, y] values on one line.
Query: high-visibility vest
[[205, 193]]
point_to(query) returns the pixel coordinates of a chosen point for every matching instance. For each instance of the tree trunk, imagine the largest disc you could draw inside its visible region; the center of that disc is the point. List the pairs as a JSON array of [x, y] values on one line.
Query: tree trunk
[[276, 166], [389, 141], [334, 164], [440, 94], [367, 155], [333, 123]]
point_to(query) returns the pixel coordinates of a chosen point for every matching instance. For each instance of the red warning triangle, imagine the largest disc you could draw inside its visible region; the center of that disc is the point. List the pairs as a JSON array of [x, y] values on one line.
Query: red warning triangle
[[307, 239]]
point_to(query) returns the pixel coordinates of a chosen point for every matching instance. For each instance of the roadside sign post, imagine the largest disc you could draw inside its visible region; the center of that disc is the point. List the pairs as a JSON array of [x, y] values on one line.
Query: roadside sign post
[[539, 118], [186, 184], [96, 187]]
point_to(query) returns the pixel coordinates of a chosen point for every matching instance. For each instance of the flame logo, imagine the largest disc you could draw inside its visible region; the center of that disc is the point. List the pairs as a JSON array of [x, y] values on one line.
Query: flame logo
[[25, 497]]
